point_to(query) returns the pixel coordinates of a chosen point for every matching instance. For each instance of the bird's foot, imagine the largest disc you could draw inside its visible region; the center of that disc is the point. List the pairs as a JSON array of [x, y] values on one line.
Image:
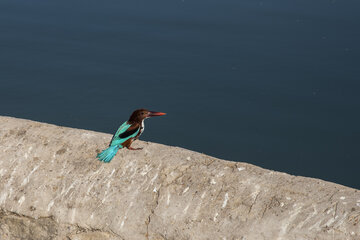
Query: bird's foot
[[130, 148]]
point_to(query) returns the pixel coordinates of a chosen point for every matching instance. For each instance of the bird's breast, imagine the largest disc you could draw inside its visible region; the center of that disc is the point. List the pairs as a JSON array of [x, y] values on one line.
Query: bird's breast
[[142, 127]]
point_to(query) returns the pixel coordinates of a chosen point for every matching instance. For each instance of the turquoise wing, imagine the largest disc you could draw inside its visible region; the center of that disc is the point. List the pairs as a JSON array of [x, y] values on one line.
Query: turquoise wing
[[117, 139]]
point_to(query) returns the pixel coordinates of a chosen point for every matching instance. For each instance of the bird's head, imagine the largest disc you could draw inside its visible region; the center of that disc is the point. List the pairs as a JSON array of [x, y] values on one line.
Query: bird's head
[[141, 114]]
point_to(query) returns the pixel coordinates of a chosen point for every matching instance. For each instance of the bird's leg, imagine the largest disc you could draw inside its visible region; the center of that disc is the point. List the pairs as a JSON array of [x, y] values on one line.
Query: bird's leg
[[128, 146]]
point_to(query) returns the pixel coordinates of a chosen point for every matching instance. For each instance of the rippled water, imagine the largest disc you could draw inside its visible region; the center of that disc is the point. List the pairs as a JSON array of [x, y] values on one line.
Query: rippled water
[[272, 83]]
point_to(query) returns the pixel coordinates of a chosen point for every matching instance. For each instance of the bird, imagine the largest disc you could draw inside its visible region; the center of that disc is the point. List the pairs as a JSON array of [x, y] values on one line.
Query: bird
[[127, 133]]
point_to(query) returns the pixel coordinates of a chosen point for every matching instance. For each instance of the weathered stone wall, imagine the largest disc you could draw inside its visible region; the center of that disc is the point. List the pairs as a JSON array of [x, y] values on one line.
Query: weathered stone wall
[[52, 187]]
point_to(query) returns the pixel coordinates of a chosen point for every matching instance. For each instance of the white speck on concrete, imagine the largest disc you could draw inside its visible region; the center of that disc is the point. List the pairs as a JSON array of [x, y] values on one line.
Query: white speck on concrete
[[342, 198], [63, 192], [357, 204], [155, 190], [73, 214], [316, 226], [215, 217], [91, 186], [27, 154], [329, 222], [96, 173], [314, 213], [213, 181], [203, 195], [53, 158], [226, 199], [145, 170], [185, 190], [21, 200], [127, 211], [92, 216], [154, 178], [168, 199], [341, 220], [240, 168], [188, 158], [26, 180], [288, 198], [282, 204], [352, 233], [50, 205], [186, 208], [112, 173]]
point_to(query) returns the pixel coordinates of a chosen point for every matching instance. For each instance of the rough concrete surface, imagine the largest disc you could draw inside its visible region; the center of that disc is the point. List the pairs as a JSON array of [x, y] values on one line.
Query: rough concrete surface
[[53, 187]]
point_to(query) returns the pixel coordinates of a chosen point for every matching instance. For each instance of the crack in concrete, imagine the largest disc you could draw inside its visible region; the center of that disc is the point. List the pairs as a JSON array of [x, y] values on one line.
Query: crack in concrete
[[4, 213], [152, 210], [252, 204], [335, 209]]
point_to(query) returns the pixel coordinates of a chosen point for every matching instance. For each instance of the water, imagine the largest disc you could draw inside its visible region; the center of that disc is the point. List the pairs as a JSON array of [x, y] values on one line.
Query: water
[[272, 83]]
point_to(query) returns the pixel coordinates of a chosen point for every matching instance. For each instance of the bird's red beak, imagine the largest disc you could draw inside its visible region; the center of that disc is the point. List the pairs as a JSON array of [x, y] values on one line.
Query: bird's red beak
[[153, 114]]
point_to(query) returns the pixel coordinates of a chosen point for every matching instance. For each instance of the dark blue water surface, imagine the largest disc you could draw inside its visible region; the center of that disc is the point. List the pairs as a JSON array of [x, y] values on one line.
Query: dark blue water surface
[[272, 83]]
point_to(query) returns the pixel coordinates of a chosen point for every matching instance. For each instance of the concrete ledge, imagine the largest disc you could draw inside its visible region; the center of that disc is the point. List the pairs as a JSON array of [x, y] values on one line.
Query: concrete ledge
[[52, 187]]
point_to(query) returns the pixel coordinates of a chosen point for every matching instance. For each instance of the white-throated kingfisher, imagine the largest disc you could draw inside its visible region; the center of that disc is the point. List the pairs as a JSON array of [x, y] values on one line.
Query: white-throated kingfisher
[[127, 133]]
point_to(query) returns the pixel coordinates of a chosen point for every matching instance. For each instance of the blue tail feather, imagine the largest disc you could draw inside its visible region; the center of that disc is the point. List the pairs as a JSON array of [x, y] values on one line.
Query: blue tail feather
[[108, 153]]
